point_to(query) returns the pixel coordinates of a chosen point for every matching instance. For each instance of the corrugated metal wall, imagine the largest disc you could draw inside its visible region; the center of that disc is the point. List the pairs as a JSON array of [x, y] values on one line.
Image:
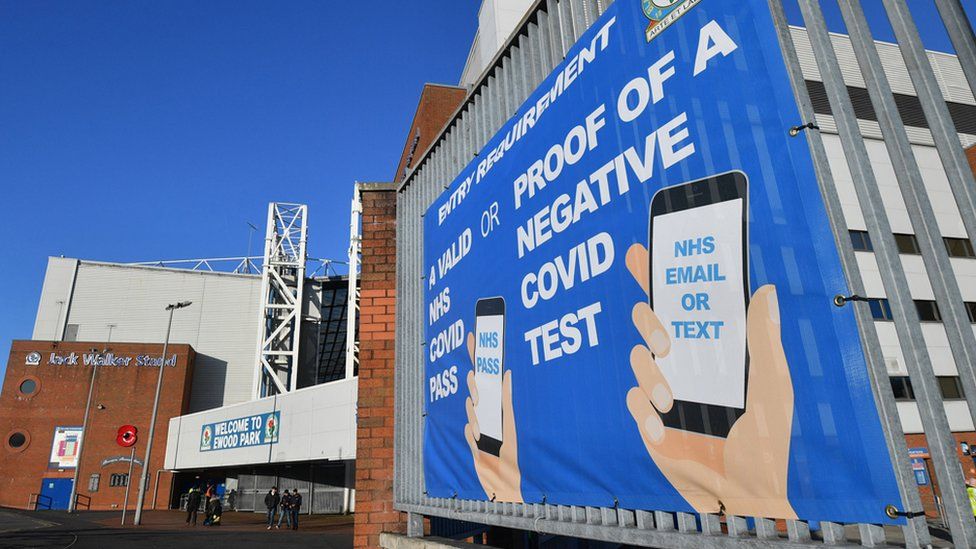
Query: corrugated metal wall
[[129, 302], [541, 41]]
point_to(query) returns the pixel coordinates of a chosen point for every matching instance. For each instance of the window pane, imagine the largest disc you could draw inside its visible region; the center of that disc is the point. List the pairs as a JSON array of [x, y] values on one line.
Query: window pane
[[902, 387], [928, 311], [861, 241], [950, 386], [880, 309], [971, 311], [28, 386], [959, 247], [907, 244]]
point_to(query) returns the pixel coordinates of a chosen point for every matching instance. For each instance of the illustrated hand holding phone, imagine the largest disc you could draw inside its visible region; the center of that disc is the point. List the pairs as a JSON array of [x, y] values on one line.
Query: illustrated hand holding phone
[[714, 398], [490, 430]]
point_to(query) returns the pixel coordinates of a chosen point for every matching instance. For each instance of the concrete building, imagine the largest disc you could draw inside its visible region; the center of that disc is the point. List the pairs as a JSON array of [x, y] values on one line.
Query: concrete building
[[210, 427]]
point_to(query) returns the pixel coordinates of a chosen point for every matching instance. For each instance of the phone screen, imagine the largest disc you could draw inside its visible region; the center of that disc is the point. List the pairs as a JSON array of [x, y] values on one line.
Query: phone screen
[[698, 291], [489, 359]]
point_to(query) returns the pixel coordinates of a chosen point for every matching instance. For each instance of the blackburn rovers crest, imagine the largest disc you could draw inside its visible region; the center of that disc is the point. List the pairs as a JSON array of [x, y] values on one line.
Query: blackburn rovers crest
[[271, 428], [663, 13], [206, 437]]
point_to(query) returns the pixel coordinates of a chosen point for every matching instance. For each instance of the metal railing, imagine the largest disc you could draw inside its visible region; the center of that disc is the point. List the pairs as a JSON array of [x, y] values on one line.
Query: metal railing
[[540, 42], [83, 501], [37, 501], [241, 265]]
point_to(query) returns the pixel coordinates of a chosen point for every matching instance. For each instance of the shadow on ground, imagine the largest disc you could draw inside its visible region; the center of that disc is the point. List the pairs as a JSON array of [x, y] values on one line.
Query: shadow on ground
[[164, 529]]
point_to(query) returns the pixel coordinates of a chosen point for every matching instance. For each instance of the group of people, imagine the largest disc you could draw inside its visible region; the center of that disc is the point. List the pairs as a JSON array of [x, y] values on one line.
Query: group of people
[[285, 506], [212, 511]]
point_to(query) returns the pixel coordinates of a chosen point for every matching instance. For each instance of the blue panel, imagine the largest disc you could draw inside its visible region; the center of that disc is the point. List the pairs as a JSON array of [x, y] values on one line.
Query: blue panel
[[629, 290], [59, 492]]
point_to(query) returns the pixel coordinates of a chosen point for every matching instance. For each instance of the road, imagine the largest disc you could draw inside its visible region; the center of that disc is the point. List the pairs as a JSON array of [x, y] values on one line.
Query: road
[[163, 529]]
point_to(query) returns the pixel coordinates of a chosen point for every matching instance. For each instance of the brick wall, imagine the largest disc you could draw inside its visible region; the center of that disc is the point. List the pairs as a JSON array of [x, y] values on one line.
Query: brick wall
[[374, 436], [437, 103], [123, 393], [968, 464]]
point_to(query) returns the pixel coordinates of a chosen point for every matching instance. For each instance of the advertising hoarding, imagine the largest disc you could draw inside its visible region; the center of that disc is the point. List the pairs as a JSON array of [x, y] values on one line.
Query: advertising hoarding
[[629, 290]]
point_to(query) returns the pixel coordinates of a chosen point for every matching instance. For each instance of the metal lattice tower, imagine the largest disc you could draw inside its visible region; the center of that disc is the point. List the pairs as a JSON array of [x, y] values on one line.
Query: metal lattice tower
[[282, 281], [352, 311]]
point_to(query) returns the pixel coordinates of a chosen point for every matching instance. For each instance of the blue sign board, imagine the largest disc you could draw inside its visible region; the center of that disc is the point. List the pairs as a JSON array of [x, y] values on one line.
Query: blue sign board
[[921, 474], [920, 452], [240, 432], [628, 291]]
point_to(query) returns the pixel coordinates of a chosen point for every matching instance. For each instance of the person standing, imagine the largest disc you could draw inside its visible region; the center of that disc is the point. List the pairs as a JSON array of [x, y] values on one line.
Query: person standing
[[193, 504], [296, 505], [971, 492], [271, 501], [285, 510]]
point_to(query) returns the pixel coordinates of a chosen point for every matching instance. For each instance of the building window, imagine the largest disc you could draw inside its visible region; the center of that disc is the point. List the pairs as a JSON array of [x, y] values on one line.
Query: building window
[[28, 386], [928, 311], [951, 387], [907, 244], [971, 310], [17, 440], [93, 482], [959, 247], [902, 387], [881, 309], [861, 241], [71, 332], [118, 479]]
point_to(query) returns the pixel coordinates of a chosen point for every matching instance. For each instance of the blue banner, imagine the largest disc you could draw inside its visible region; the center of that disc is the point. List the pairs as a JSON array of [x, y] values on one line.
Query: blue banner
[[240, 432], [629, 290]]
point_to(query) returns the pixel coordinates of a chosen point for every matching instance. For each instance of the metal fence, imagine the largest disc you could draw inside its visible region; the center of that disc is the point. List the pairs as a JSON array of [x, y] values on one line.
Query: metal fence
[[542, 39]]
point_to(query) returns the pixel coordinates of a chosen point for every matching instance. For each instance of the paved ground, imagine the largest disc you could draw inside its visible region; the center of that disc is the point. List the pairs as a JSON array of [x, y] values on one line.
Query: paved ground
[[164, 529]]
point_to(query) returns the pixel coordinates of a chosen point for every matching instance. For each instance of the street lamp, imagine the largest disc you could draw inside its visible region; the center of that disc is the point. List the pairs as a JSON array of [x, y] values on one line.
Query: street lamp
[[72, 503], [152, 421]]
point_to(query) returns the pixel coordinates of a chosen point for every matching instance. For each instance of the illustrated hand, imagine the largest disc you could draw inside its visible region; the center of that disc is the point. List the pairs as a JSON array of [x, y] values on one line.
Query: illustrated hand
[[499, 475], [744, 474]]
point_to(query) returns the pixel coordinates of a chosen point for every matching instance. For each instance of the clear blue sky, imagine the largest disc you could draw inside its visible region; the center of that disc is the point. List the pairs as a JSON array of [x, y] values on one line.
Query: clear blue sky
[[135, 131]]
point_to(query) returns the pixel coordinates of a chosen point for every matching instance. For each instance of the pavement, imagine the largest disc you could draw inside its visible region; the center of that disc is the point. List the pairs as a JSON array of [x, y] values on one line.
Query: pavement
[[165, 529]]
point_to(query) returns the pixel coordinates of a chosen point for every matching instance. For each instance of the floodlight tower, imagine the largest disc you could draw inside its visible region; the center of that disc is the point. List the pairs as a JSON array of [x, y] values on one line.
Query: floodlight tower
[[282, 283]]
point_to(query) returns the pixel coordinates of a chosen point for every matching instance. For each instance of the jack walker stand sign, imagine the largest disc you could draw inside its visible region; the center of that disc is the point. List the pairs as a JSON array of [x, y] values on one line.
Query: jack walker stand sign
[[629, 290]]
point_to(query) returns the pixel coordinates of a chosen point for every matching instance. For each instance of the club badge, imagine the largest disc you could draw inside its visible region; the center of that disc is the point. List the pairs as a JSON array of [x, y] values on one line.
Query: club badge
[[663, 13]]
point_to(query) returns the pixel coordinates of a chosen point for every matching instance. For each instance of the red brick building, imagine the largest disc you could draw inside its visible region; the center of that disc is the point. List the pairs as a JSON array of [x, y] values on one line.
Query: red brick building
[[42, 409], [377, 310]]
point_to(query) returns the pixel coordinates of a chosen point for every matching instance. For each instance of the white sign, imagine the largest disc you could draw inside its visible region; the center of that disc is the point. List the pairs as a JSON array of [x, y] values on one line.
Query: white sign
[[100, 359], [65, 448]]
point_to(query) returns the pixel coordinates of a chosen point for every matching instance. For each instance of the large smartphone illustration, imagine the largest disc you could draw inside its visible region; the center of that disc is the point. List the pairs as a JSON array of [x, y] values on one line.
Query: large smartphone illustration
[[489, 358], [698, 240]]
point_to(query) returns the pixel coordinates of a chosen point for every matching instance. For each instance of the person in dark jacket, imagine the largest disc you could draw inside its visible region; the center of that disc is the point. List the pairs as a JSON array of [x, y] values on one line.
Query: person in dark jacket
[[296, 505], [285, 510], [193, 504], [272, 500], [214, 510]]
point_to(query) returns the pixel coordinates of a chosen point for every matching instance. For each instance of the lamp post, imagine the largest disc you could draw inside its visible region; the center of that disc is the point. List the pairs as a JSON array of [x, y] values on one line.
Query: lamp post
[[72, 503], [152, 421]]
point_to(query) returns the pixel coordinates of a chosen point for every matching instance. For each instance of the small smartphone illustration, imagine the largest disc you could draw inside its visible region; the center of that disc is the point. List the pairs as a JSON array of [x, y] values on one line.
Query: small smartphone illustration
[[489, 360], [698, 243]]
